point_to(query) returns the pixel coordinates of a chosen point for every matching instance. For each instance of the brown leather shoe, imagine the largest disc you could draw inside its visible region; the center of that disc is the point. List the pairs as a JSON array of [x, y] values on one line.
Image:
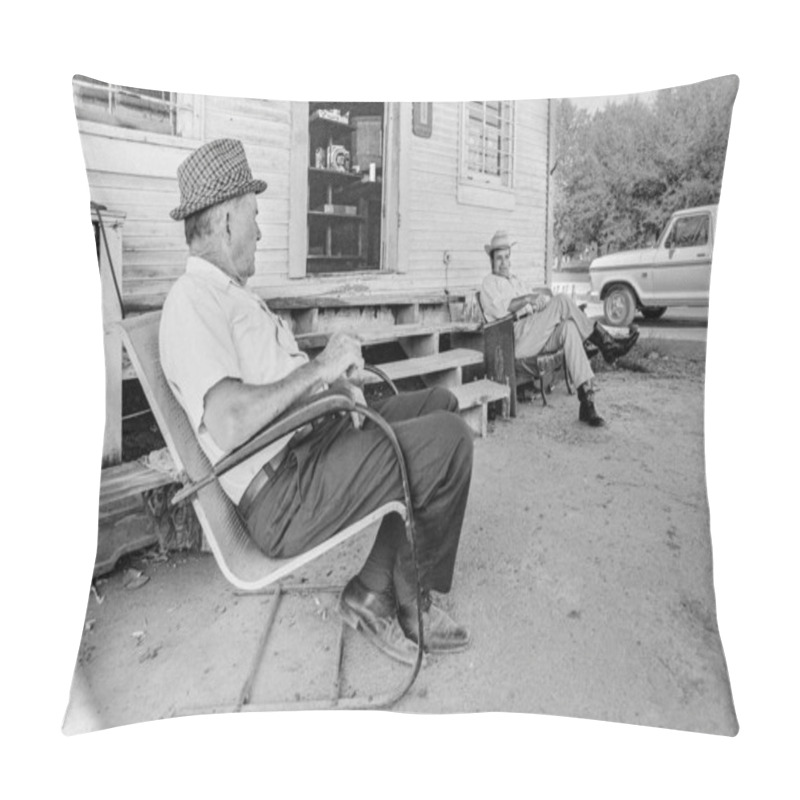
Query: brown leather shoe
[[373, 614], [441, 633], [610, 346]]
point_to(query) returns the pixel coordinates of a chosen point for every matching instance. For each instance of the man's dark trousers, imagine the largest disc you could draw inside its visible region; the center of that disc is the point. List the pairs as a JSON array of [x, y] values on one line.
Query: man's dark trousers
[[339, 474]]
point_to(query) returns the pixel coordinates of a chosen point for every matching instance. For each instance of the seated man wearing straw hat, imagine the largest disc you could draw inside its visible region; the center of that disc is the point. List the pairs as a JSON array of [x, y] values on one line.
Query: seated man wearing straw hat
[[234, 366], [549, 323]]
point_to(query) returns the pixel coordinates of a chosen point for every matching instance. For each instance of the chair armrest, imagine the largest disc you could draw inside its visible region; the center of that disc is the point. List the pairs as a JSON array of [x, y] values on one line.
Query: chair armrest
[[297, 416], [382, 375], [495, 323]]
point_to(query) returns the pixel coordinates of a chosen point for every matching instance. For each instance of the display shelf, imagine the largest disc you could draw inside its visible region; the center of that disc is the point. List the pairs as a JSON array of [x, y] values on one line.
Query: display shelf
[[330, 126], [315, 173], [336, 214]]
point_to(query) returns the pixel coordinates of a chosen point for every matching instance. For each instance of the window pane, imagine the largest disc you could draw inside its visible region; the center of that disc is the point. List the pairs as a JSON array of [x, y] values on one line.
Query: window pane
[[691, 231], [489, 141], [143, 109]]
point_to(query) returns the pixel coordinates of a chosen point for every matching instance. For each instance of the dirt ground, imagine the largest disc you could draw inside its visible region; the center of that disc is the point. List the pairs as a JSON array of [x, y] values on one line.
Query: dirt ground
[[584, 575]]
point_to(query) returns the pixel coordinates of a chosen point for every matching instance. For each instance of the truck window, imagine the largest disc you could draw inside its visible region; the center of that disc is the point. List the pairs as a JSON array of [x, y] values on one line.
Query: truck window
[[688, 232]]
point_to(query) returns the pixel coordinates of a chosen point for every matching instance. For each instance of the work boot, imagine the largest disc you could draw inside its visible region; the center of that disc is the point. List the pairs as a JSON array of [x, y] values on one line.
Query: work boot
[[588, 413], [374, 615], [610, 346], [441, 634]]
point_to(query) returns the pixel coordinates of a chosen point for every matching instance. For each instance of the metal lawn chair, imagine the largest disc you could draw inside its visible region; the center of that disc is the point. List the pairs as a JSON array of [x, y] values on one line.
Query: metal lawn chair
[[241, 561]]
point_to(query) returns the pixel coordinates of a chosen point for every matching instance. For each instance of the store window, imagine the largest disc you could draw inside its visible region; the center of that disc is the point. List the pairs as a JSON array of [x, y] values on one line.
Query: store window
[[124, 106], [345, 186]]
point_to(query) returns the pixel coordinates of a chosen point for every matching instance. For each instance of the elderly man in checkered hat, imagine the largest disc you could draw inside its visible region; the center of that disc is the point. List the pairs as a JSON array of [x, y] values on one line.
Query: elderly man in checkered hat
[[545, 324], [234, 366]]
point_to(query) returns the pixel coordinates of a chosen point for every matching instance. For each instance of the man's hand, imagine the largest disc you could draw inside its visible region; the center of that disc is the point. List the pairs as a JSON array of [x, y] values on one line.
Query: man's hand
[[538, 301], [341, 355], [356, 395]]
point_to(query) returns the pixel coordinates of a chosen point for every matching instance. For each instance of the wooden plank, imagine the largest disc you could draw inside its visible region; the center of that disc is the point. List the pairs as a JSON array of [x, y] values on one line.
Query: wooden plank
[[355, 300], [111, 278], [298, 197], [452, 360], [477, 418], [473, 401], [382, 335], [135, 158], [421, 345], [131, 478], [481, 392]]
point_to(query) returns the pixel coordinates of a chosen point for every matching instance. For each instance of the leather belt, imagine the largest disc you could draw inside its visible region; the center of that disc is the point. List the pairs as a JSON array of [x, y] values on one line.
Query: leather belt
[[269, 470]]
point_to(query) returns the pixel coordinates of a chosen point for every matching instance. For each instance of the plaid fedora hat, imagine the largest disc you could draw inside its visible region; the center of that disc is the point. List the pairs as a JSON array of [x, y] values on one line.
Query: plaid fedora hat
[[499, 241], [215, 172]]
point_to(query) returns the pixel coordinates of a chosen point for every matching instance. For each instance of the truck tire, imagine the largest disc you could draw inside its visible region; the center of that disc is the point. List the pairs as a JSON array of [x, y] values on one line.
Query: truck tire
[[653, 312], [619, 306]]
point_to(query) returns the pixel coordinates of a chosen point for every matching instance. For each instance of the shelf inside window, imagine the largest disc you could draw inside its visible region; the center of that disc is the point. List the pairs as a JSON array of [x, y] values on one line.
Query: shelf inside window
[[335, 215]]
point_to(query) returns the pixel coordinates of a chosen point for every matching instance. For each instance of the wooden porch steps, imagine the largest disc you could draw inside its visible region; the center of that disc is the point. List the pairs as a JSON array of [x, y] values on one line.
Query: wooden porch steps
[[124, 523], [119, 482], [440, 369], [473, 401], [318, 339]]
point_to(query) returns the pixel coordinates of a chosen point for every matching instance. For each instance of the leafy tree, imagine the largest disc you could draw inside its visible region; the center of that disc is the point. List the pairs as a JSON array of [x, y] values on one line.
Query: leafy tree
[[621, 172]]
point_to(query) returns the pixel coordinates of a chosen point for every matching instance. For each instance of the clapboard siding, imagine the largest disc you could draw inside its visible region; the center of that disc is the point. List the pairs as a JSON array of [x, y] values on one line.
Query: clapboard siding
[[135, 173], [438, 222]]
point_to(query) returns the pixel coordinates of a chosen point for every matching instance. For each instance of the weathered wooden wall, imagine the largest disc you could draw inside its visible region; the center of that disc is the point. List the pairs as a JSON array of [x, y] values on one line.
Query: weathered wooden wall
[[135, 173]]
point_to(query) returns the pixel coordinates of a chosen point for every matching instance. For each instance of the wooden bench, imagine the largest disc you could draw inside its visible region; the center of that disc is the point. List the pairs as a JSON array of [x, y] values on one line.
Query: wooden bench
[[474, 398], [446, 369], [124, 524]]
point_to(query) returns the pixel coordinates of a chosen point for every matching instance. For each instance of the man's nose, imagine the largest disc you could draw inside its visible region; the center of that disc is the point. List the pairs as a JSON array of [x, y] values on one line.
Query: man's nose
[[258, 233]]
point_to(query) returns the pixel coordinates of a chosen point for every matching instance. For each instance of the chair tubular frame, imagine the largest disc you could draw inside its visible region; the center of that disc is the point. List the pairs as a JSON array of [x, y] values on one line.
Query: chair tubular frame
[[205, 489]]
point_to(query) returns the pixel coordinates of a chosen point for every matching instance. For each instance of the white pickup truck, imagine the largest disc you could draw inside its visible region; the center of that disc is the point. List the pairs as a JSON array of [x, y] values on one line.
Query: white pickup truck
[[676, 272]]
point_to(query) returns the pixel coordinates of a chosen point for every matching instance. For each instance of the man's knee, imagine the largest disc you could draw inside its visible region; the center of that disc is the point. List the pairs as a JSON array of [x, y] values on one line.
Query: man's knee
[[454, 435], [442, 399], [564, 301], [571, 330]]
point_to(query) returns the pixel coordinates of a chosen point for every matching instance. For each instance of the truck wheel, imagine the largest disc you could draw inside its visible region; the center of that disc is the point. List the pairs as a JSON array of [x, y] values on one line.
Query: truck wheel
[[619, 307], [653, 312]]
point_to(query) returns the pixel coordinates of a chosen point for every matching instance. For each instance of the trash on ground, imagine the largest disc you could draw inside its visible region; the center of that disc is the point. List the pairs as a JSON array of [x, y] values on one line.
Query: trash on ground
[[135, 578]]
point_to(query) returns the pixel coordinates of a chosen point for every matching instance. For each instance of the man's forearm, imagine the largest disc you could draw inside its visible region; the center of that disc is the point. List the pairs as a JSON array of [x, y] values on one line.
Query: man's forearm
[[519, 302], [235, 411]]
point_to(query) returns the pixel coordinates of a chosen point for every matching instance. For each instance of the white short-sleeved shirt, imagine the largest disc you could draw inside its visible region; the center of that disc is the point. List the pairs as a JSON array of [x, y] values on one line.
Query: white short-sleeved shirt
[[213, 328], [497, 293]]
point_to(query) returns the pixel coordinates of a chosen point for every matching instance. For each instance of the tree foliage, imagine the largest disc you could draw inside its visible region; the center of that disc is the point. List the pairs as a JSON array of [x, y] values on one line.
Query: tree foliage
[[622, 171]]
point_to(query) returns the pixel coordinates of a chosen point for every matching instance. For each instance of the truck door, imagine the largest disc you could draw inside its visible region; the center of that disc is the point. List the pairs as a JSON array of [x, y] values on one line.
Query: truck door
[[682, 266]]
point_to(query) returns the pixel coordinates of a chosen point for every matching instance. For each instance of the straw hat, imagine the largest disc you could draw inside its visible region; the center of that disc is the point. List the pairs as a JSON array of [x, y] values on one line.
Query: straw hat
[[499, 241], [215, 172]]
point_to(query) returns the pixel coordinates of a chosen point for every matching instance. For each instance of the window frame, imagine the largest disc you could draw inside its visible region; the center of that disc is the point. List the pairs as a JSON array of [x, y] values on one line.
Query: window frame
[[670, 240], [477, 187], [182, 109]]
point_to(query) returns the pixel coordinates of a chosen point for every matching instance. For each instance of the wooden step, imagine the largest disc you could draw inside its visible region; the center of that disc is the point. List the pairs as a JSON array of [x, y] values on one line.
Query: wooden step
[[474, 399], [392, 333], [126, 480], [443, 369], [414, 337]]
